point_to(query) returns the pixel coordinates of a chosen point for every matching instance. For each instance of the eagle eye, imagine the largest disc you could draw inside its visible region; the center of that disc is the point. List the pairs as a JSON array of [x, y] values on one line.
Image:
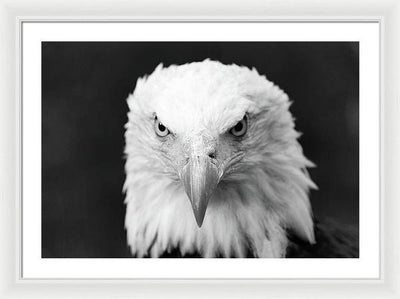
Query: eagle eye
[[240, 128], [160, 129]]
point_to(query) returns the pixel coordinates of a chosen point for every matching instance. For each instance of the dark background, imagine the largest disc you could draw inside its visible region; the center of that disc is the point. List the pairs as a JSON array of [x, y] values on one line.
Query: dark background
[[84, 88]]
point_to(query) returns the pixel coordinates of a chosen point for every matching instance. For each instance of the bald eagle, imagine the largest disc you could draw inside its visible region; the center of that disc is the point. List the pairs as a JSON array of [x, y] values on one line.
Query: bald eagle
[[213, 165]]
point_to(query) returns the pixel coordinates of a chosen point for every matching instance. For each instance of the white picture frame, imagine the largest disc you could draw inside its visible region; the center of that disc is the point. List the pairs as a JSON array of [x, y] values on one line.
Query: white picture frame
[[386, 13]]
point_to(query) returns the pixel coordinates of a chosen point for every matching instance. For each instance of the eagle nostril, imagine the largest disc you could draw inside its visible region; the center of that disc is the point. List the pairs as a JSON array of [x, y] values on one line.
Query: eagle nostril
[[212, 155]]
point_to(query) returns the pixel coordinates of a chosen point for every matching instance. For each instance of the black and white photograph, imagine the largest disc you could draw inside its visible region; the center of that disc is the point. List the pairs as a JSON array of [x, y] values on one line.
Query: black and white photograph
[[200, 149]]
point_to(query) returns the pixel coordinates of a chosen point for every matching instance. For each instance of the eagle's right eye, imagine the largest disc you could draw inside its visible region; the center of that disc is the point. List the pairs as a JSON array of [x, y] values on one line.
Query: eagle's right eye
[[160, 129], [240, 128]]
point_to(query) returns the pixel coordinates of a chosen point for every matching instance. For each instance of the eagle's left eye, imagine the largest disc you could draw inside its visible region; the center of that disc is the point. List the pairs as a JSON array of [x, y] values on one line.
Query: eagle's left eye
[[160, 129], [240, 128]]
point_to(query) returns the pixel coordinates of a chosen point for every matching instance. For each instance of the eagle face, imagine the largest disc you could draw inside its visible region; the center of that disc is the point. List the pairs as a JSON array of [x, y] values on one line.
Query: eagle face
[[217, 142]]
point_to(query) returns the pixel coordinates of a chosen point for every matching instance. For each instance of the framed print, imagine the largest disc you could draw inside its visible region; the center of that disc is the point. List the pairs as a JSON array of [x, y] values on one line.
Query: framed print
[[240, 152], [213, 173]]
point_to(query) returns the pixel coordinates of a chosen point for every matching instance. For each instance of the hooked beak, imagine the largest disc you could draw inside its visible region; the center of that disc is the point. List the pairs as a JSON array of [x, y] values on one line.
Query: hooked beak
[[200, 177]]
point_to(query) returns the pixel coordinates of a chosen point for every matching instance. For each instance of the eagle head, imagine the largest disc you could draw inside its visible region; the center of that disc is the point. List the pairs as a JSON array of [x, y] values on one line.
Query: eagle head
[[213, 164]]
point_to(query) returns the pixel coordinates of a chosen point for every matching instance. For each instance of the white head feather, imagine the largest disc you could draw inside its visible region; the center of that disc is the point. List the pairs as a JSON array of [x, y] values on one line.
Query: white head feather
[[265, 193]]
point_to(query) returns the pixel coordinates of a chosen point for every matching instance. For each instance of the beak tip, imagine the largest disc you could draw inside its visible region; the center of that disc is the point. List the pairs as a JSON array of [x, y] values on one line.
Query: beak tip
[[199, 222], [199, 216]]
